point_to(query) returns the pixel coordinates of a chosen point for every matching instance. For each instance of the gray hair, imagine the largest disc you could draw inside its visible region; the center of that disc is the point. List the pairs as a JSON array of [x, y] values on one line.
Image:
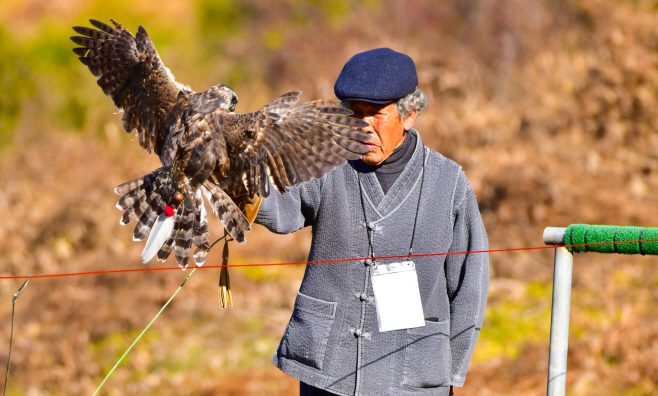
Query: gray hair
[[405, 106], [414, 101]]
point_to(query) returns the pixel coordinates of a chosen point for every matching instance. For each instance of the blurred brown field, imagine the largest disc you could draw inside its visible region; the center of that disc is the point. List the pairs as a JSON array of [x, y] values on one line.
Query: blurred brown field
[[549, 105]]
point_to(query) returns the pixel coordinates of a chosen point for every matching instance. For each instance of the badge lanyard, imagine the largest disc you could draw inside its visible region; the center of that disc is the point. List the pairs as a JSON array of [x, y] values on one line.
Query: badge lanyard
[[395, 285]]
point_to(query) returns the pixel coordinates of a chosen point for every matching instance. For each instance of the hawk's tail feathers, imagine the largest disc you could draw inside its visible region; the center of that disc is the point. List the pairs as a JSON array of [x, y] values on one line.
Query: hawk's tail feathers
[[200, 236], [190, 229], [144, 200]]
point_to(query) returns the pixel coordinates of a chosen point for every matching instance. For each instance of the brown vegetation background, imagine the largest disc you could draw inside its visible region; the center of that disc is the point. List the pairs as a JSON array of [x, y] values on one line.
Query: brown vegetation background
[[549, 105]]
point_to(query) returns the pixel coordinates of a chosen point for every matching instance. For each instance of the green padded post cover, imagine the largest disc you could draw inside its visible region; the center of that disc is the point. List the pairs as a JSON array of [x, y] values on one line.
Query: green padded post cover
[[599, 238]]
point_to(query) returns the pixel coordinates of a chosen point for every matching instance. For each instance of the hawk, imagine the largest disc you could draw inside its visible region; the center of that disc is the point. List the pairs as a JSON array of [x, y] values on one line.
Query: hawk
[[205, 148]]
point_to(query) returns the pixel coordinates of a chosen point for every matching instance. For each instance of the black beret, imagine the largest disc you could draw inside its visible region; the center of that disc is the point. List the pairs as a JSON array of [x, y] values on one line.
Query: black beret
[[378, 76]]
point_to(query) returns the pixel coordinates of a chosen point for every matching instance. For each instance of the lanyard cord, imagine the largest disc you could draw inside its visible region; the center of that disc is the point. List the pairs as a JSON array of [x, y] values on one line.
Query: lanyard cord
[[365, 217], [422, 181]]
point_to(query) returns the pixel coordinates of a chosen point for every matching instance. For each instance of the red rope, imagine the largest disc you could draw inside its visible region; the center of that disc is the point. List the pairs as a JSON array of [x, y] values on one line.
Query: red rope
[[318, 261]]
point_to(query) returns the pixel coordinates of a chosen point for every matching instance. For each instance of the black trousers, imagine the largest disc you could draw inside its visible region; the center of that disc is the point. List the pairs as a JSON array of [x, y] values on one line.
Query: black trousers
[[308, 390]]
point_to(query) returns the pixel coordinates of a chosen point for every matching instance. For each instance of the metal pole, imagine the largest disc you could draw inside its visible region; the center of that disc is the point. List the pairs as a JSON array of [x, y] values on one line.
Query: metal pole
[[559, 344]]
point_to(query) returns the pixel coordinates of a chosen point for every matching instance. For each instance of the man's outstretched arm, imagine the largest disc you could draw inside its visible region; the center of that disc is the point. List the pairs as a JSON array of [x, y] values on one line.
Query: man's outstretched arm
[[296, 209]]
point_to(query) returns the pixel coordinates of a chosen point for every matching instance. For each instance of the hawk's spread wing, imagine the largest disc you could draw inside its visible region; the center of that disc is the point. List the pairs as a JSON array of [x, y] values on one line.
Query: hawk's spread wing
[[204, 146], [131, 72], [288, 145]]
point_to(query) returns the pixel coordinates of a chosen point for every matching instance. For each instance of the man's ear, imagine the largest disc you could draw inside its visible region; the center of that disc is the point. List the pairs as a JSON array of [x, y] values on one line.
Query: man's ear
[[408, 122]]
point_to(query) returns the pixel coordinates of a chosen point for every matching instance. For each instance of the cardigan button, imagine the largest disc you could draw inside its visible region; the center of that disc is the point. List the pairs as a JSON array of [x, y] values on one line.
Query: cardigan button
[[363, 296], [358, 333], [368, 262]]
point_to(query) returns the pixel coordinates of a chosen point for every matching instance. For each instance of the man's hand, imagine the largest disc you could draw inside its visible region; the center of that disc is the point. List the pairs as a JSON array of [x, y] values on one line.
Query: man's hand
[[451, 391]]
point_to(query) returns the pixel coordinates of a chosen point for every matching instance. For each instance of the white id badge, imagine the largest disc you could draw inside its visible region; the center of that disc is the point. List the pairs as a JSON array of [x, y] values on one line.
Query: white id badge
[[397, 297]]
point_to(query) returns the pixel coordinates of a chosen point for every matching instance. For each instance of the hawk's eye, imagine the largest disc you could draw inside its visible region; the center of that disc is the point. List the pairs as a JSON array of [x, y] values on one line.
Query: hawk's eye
[[232, 108]]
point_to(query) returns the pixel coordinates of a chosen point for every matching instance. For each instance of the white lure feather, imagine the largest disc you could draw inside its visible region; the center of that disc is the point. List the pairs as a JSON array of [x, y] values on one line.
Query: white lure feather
[[157, 237]]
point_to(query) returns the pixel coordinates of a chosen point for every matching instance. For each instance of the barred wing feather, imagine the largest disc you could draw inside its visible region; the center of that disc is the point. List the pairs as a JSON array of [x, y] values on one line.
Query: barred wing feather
[[287, 145], [130, 71]]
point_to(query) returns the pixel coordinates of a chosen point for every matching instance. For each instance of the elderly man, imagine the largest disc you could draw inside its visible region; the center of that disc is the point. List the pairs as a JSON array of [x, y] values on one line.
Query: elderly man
[[384, 326]]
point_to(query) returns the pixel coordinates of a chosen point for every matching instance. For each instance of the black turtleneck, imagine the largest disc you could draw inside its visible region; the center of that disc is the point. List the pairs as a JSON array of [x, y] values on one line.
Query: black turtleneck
[[388, 171]]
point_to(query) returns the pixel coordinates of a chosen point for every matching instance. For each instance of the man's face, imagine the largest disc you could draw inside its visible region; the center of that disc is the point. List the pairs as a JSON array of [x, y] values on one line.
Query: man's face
[[386, 130]]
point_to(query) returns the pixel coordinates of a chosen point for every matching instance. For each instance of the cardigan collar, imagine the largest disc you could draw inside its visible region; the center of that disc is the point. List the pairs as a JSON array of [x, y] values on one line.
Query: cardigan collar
[[406, 183]]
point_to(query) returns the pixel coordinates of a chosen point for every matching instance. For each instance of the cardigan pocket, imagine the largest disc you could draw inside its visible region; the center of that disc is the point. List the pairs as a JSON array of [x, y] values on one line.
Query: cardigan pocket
[[427, 362], [305, 338]]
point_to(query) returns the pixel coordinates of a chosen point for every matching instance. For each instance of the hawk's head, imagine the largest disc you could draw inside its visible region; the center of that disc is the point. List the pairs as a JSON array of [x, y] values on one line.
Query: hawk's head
[[223, 96]]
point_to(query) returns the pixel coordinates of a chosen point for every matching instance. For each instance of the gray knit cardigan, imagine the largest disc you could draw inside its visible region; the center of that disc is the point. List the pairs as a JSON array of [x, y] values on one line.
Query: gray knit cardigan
[[332, 340]]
